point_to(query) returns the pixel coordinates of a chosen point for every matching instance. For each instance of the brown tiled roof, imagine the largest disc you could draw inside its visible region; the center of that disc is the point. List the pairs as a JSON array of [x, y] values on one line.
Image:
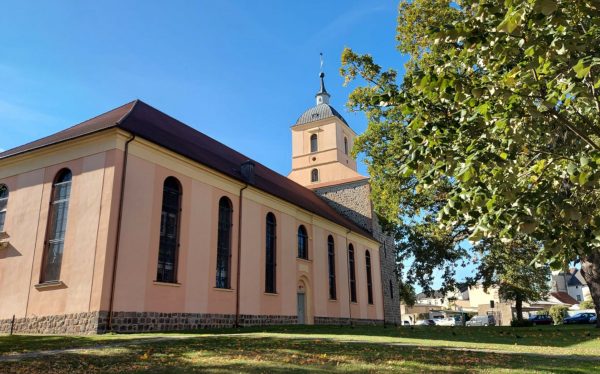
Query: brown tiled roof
[[151, 124], [564, 298]]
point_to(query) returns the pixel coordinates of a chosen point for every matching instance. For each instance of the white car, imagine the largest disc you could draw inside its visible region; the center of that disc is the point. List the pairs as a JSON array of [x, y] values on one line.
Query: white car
[[446, 322]]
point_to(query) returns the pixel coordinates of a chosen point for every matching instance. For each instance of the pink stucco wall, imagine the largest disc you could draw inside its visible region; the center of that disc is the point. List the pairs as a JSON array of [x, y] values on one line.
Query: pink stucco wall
[[91, 238], [88, 228]]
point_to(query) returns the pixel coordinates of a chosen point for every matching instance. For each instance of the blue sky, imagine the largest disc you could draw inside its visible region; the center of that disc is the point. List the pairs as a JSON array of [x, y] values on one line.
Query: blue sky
[[224, 67], [239, 71]]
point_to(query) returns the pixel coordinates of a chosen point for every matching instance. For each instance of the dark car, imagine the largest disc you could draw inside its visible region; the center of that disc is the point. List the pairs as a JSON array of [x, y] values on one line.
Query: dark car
[[541, 320], [579, 318]]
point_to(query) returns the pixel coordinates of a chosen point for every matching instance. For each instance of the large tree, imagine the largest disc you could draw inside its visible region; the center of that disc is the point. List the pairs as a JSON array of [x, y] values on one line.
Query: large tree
[[499, 107], [511, 267]]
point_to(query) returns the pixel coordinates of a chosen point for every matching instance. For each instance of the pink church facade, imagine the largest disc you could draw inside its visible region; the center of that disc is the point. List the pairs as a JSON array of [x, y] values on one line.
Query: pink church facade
[[132, 221]]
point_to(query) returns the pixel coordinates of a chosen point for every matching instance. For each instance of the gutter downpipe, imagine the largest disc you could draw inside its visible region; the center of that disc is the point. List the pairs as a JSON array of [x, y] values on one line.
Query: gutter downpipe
[[239, 260], [118, 240]]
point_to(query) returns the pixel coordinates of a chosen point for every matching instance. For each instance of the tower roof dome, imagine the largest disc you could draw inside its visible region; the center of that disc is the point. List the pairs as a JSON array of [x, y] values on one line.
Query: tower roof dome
[[319, 112], [322, 110]]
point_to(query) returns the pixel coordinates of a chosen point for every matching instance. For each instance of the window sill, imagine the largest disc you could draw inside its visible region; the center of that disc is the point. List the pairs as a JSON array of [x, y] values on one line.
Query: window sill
[[271, 293], [354, 302], [52, 285], [304, 260], [167, 284], [223, 289], [333, 300]]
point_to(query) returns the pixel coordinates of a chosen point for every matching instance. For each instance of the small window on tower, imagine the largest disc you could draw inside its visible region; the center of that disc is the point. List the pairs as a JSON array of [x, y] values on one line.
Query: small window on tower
[[314, 175], [314, 147], [345, 145]]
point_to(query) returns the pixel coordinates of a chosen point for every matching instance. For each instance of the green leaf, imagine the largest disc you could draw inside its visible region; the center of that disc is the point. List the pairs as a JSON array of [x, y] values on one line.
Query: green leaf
[[511, 21], [581, 69], [546, 7]]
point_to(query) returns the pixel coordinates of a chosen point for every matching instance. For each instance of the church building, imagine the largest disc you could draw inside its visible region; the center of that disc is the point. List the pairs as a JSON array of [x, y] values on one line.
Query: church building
[[133, 221]]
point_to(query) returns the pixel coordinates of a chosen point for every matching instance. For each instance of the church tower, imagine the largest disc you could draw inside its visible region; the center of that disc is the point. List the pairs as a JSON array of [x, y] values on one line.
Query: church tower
[[321, 145], [321, 160]]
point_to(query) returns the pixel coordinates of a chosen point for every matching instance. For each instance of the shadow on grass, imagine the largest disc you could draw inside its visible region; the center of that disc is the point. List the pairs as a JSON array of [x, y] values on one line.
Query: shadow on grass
[[273, 355], [543, 336]]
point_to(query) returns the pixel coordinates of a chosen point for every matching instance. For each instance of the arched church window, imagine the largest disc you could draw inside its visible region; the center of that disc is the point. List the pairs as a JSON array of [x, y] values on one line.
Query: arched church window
[[352, 265], [314, 146], [3, 205], [270, 255], [345, 145], [314, 175], [57, 226], [331, 263], [302, 242], [224, 243], [369, 280], [391, 289], [169, 232]]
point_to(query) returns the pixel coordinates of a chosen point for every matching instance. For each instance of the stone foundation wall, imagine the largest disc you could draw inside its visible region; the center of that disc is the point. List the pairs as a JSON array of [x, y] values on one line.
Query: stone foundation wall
[[154, 321], [336, 321], [67, 324], [354, 202], [131, 322]]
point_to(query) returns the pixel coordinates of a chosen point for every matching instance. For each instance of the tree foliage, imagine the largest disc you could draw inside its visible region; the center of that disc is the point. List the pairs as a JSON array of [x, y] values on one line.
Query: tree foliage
[[558, 313], [509, 267], [497, 120]]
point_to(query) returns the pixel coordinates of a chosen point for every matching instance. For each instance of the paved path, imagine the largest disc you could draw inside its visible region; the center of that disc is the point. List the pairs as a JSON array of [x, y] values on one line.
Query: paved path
[[134, 342]]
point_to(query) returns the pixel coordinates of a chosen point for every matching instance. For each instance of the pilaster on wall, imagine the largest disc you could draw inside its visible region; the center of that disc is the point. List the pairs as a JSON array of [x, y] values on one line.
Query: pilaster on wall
[[353, 200]]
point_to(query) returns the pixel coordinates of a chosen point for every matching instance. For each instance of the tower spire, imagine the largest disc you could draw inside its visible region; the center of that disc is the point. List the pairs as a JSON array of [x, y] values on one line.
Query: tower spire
[[322, 96]]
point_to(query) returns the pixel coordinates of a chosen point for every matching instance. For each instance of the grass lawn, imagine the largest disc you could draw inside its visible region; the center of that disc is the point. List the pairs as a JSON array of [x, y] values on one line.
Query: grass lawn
[[565, 349]]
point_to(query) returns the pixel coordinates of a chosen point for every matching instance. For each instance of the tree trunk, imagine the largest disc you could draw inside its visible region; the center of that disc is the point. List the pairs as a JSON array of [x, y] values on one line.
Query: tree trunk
[[590, 269], [519, 307]]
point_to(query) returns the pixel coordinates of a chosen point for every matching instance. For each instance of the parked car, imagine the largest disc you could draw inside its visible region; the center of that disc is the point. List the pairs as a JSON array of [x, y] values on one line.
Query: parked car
[[541, 320], [450, 321], [579, 318], [482, 321], [425, 322], [594, 319], [405, 323]]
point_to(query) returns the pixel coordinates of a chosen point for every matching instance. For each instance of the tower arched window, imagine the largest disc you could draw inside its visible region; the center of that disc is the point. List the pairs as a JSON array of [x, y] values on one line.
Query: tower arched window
[[314, 145], [345, 145], [369, 280], [302, 242], [225, 224], [391, 289], [331, 263], [166, 270], [3, 205], [314, 175], [57, 226], [352, 270], [270, 254]]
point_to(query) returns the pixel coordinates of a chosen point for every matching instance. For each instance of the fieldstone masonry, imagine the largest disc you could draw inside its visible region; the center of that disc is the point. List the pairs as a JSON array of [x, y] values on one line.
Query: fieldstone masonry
[[72, 324], [337, 321], [97, 322], [354, 202]]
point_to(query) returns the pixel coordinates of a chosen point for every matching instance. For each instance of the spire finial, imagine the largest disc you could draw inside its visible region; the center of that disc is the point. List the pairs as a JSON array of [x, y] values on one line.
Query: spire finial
[[321, 58], [322, 95]]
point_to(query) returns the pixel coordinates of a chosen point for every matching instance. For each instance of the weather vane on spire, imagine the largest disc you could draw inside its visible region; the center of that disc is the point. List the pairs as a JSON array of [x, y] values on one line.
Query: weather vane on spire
[[321, 57], [322, 96]]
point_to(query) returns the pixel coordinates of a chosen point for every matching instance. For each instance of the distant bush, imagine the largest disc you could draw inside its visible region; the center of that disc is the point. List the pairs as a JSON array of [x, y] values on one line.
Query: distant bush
[[558, 313], [522, 323], [587, 304]]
